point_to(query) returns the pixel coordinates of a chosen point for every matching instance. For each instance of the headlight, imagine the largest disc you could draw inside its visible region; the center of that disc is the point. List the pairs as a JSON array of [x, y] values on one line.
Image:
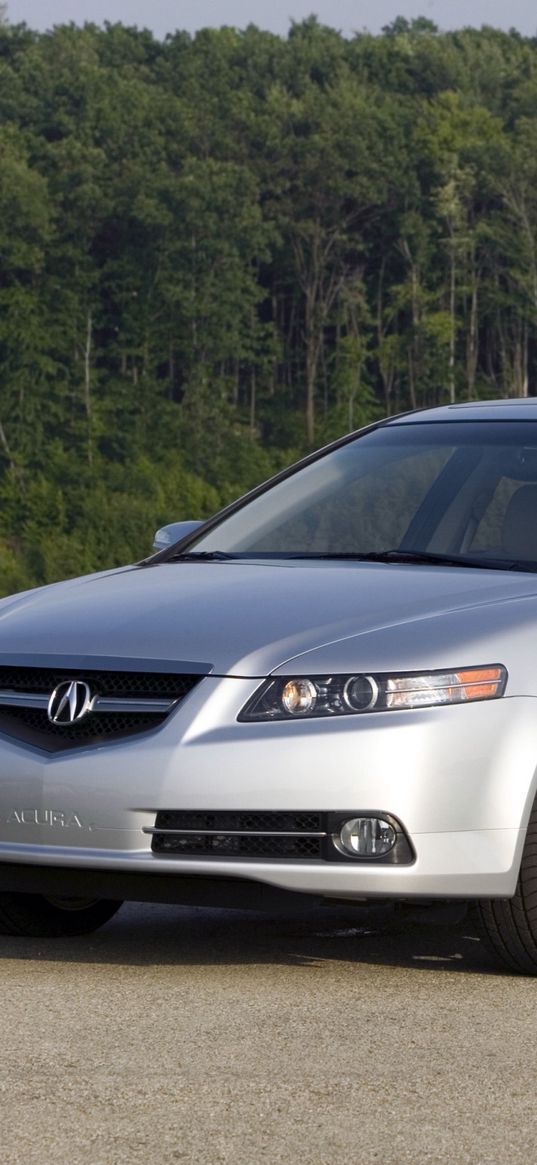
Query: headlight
[[303, 697]]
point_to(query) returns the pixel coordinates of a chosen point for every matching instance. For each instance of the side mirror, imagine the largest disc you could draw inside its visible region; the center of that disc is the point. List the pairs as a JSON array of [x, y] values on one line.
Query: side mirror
[[167, 535]]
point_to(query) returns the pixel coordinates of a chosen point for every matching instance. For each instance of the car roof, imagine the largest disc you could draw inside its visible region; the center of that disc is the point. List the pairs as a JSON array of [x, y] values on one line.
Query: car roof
[[518, 409]]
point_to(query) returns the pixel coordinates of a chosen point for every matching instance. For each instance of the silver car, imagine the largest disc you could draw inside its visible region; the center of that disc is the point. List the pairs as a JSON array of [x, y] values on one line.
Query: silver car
[[327, 691]]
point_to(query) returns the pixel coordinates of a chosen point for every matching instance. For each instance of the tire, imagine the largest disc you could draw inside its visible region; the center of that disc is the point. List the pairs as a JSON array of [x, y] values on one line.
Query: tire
[[508, 926], [34, 916]]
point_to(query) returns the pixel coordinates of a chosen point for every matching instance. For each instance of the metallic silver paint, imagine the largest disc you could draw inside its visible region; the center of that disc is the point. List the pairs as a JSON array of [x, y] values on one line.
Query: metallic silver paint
[[461, 780]]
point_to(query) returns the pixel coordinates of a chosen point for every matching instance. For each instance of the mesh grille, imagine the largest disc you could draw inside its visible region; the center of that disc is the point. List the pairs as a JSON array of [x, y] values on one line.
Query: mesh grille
[[278, 822], [104, 683], [206, 845], [248, 845], [33, 726], [255, 834]]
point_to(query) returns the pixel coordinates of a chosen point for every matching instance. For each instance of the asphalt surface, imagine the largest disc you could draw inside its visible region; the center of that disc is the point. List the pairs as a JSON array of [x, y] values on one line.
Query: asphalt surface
[[177, 1035]]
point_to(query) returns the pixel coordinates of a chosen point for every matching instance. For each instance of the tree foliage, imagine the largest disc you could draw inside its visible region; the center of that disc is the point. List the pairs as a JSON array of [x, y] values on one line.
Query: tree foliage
[[217, 251]]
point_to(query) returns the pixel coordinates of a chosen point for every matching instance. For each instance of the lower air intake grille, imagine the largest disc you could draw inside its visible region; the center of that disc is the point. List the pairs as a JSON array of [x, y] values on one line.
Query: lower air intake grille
[[239, 835]]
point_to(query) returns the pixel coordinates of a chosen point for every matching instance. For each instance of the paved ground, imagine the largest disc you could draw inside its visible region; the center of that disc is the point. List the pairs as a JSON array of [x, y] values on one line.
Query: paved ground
[[176, 1035]]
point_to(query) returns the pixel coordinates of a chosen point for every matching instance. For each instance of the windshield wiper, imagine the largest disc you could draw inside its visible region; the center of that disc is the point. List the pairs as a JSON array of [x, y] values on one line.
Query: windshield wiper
[[426, 558], [468, 560], [410, 557], [201, 556]]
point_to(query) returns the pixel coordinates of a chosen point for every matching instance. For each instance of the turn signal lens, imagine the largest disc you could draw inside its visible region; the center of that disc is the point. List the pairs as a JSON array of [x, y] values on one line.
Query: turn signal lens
[[480, 683]]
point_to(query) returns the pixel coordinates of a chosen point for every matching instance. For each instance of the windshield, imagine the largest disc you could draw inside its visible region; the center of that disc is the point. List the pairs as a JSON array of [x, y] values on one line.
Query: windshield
[[463, 490]]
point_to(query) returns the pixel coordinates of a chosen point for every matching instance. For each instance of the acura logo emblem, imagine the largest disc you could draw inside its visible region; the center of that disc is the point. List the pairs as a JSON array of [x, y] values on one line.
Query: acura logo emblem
[[69, 702]]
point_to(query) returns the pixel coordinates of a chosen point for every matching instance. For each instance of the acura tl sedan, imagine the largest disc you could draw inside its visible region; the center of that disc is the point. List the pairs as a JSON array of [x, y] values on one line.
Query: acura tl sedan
[[326, 692]]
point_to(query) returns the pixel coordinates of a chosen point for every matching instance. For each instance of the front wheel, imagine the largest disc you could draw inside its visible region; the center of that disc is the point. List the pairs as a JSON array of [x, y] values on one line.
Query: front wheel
[[509, 925], [36, 916]]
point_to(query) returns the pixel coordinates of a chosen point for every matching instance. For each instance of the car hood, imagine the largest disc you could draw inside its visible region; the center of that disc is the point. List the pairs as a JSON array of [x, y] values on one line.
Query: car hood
[[249, 619]]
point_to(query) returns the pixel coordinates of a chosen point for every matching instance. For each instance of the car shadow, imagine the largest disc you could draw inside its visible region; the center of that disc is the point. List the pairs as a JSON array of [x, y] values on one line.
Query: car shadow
[[142, 935]]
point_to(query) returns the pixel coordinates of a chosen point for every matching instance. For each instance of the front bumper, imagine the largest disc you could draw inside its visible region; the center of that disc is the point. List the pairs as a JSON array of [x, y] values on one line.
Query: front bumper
[[461, 780], [474, 864]]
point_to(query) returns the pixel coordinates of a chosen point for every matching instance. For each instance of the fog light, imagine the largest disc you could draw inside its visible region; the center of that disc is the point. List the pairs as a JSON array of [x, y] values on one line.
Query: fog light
[[366, 837]]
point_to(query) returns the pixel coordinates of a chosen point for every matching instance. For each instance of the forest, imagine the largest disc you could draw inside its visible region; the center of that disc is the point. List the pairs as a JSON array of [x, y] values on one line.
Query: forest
[[220, 251]]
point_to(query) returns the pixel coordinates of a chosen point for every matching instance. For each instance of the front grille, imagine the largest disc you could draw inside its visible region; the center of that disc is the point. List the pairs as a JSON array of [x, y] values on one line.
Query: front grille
[[106, 683], [32, 725], [288, 836]]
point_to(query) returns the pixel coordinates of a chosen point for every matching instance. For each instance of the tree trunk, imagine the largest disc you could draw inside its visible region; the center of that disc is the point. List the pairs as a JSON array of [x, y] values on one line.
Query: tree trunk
[[87, 384], [472, 343], [311, 337], [253, 387], [452, 333]]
